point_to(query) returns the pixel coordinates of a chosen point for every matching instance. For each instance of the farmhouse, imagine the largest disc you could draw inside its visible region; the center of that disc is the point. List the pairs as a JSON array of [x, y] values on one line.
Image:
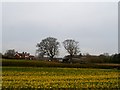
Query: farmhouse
[[75, 59], [24, 55]]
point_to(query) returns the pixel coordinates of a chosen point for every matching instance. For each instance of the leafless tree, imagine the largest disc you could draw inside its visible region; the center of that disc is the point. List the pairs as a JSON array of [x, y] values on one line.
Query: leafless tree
[[0, 55], [49, 47], [10, 53], [72, 47]]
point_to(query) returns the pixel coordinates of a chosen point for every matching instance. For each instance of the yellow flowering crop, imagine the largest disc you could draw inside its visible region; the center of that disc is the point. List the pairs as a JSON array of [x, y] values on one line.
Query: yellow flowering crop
[[59, 78]]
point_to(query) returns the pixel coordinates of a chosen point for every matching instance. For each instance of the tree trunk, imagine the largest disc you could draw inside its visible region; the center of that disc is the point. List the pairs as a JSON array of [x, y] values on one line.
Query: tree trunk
[[51, 58], [71, 58]]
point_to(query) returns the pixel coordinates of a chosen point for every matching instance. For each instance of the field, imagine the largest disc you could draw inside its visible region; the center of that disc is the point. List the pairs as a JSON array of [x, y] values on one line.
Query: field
[[46, 77], [39, 63]]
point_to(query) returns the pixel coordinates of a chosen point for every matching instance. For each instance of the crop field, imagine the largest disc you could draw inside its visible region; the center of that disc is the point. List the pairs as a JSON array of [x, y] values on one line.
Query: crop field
[[40, 63], [45, 77]]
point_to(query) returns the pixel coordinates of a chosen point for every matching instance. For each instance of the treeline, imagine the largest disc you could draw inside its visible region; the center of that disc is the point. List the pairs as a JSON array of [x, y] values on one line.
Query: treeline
[[115, 58], [9, 54]]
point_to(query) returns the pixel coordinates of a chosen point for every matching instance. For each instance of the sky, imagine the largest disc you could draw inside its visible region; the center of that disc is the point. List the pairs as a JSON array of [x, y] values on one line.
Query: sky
[[119, 27], [0, 27], [93, 24]]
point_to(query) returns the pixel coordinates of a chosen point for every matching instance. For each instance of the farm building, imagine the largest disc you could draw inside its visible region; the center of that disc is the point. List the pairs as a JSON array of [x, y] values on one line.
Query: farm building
[[24, 55], [75, 59]]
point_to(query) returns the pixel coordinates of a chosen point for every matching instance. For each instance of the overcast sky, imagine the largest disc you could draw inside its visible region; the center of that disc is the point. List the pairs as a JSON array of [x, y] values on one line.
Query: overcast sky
[[93, 24]]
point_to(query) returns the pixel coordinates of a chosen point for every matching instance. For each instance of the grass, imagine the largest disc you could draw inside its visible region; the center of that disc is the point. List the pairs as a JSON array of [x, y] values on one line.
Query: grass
[[38, 63], [46, 77]]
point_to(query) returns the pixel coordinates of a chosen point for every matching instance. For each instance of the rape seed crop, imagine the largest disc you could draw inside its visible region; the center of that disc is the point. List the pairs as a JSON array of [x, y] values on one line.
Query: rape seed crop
[[34, 77]]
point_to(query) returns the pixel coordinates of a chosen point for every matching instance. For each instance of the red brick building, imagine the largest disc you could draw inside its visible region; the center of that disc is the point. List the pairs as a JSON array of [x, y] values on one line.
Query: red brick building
[[24, 55]]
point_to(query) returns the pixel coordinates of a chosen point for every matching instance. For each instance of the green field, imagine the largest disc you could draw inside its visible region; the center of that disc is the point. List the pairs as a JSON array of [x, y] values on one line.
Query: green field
[[43, 63], [45, 77]]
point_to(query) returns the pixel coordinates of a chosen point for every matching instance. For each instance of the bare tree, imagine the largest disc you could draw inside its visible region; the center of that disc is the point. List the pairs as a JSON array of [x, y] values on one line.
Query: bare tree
[[0, 55], [72, 47], [10, 53], [48, 46]]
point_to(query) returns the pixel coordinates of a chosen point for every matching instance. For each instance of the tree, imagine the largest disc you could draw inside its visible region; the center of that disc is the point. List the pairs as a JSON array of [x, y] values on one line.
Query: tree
[[116, 58], [0, 55], [72, 47], [10, 53], [48, 46]]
